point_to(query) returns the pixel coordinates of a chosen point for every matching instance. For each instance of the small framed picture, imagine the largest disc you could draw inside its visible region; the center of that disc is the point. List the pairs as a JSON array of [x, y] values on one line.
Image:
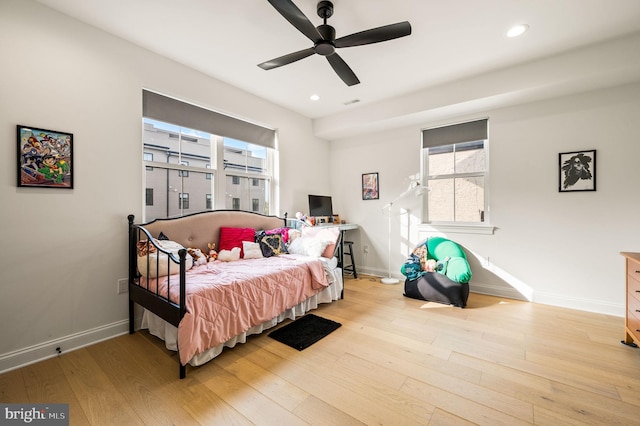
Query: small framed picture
[[370, 188], [577, 171], [45, 158]]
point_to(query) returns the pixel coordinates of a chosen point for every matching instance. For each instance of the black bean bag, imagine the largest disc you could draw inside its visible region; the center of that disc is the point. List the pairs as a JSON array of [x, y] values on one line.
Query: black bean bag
[[435, 287]]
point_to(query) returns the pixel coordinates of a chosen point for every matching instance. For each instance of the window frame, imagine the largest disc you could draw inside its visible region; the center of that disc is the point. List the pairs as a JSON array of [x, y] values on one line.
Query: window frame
[[185, 115], [482, 227]]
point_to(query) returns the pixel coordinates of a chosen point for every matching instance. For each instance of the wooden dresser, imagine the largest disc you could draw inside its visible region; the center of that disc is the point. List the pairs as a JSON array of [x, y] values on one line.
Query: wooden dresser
[[632, 321]]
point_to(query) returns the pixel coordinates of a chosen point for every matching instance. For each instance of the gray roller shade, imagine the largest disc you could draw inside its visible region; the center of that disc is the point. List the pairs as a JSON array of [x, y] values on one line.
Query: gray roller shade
[[169, 110], [456, 133]]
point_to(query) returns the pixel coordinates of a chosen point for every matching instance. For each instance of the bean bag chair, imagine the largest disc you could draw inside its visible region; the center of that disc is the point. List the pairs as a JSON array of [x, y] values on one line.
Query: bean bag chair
[[437, 271]]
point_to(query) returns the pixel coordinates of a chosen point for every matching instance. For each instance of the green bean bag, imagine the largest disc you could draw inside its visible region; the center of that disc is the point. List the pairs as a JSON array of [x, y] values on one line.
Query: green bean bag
[[448, 284]]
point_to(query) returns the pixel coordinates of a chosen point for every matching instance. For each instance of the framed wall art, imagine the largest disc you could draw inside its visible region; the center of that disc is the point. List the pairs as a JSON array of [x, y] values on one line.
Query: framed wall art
[[45, 158], [577, 171], [370, 188]]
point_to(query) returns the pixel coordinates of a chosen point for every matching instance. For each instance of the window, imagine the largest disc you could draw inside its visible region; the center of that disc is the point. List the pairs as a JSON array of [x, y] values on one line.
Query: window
[[148, 157], [184, 173], [255, 205], [455, 170], [183, 201], [247, 169], [149, 196], [175, 167], [222, 161]]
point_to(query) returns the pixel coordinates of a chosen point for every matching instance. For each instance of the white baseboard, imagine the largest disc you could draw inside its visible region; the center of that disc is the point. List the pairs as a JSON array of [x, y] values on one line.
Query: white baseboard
[[589, 305], [595, 306], [494, 290], [559, 300], [46, 350]]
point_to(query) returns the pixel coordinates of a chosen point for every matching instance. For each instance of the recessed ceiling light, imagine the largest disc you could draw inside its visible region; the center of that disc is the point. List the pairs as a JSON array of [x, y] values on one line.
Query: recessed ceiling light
[[314, 97], [517, 30]]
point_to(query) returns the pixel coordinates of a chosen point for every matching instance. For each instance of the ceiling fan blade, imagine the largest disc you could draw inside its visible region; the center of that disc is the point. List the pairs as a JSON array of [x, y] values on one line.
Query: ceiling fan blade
[[291, 13], [375, 35], [287, 59], [342, 69]]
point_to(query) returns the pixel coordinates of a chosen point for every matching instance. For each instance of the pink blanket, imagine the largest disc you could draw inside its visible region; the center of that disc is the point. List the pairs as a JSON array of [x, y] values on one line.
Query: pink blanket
[[225, 299]]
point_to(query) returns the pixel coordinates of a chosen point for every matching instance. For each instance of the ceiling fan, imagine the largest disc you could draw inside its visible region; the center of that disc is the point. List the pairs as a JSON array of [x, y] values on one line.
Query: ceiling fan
[[324, 38]]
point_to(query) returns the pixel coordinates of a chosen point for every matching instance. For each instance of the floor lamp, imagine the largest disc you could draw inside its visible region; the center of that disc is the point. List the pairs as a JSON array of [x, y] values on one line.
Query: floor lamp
[[418, 190]]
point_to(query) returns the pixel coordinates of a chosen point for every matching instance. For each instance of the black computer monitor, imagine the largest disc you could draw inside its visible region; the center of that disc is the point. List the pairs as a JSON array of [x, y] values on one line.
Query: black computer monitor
[[320, 205]]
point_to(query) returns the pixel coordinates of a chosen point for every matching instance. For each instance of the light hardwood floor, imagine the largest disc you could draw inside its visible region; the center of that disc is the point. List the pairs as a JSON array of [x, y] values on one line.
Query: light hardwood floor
[[394, 361]]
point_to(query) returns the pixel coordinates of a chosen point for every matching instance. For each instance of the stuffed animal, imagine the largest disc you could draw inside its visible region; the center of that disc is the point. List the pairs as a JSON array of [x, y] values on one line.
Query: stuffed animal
[[303, 219], [198, 256], [229, 255], [431, 265], [213, 254]]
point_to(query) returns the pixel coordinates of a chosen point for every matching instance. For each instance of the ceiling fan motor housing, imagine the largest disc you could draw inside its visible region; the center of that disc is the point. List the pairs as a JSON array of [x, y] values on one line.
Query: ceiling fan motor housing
[[326, 47]]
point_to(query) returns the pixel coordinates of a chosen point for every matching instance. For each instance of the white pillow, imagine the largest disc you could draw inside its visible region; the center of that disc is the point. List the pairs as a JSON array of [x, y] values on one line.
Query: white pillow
[[164, 266], [308, 246], [229, 255], [251, 250]]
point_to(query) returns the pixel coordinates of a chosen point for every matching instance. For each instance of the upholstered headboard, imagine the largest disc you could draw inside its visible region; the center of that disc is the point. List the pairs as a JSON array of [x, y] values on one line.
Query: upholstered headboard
[[199, 229]]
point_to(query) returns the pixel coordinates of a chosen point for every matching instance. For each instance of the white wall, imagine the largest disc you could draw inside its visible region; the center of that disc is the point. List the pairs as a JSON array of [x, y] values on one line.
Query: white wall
[[550, 247], [64, 250]]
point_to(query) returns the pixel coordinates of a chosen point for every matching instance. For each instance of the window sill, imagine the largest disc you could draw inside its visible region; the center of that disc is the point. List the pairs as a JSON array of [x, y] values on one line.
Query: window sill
[[460, 229]]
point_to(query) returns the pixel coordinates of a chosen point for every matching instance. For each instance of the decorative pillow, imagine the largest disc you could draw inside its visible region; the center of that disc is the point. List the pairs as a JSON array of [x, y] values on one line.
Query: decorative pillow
[[233, 237], [282, 231], [270, 245], [327, 234], [251, 250], [308, 246], [163, 237], [229, 255], [164, 266]]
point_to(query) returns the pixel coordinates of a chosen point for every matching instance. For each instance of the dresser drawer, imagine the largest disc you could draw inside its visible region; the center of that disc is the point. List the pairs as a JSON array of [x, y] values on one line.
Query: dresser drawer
[[633, 286], [633, 324], [633, 269]]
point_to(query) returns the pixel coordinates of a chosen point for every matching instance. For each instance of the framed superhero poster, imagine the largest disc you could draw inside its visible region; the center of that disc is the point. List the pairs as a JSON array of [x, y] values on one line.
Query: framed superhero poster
[[45, 158]]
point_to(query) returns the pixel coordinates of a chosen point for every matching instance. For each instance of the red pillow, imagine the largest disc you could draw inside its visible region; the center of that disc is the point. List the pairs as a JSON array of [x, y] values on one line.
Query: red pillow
[[233, 237]]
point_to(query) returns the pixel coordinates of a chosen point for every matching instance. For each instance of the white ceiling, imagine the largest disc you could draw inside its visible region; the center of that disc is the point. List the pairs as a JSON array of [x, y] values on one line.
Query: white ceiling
[[450, 40]]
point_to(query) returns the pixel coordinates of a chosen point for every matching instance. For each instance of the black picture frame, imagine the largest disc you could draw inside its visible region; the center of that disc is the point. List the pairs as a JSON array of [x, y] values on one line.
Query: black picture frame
[[577, 171], [370, 186], [45, 158]]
